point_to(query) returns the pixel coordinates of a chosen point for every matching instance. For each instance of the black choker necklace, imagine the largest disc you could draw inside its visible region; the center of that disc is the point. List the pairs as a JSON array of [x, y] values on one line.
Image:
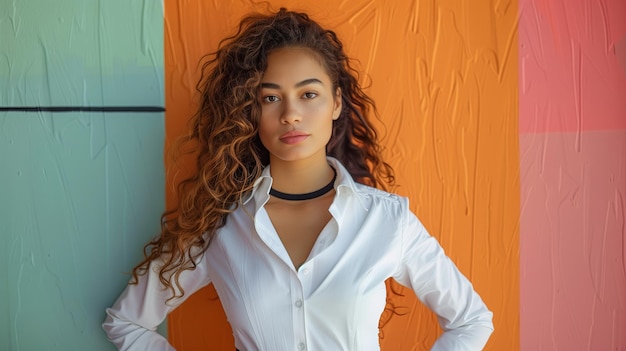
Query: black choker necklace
[[308, 196]]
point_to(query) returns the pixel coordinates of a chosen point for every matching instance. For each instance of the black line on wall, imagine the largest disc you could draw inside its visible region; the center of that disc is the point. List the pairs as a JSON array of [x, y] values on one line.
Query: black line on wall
[[83, 108]]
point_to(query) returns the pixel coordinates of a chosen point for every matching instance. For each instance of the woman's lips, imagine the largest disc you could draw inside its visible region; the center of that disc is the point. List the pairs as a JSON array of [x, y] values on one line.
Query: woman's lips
[[293, 137]]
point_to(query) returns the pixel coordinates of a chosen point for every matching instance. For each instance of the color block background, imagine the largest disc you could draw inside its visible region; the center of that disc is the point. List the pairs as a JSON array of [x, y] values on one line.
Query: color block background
[[505, 121]]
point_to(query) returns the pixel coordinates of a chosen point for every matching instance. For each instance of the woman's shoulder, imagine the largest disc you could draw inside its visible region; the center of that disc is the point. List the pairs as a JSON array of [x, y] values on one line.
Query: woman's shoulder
[[364, 191], [380, 195]]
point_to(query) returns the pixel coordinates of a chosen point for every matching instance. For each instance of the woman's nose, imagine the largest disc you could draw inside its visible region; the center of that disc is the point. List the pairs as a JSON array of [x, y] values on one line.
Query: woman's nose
[[291, 113]]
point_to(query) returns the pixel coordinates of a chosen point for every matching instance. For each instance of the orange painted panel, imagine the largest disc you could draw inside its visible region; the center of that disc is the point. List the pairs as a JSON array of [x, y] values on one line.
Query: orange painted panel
[[444, 76]]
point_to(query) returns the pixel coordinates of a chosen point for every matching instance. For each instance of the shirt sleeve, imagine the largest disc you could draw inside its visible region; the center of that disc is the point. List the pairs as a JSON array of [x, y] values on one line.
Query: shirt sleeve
[[437, 282], [132, 321]]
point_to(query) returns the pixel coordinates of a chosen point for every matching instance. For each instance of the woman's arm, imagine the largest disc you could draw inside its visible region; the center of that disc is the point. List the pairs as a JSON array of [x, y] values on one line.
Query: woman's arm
[[132, 321], [425, 268]]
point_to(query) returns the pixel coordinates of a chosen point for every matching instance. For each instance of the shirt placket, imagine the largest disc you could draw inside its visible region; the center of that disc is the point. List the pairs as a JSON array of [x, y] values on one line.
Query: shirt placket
[[300, 287]]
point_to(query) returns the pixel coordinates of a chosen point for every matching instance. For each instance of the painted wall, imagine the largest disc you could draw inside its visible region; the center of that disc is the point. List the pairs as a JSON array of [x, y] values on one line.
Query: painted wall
[[573, 174], [80, 192], [505, 122], [445, 77]]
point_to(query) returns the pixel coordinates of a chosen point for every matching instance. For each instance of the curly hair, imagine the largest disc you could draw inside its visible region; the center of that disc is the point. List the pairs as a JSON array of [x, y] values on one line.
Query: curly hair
[[228, 153]]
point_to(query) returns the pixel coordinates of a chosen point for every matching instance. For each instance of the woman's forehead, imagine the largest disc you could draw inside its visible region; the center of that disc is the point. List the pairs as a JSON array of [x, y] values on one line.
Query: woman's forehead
[[294, 64]]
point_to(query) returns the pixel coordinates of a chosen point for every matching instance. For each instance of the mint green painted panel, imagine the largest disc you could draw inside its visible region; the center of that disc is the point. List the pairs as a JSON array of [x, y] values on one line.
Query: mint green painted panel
[[80, 195], [81, 52]]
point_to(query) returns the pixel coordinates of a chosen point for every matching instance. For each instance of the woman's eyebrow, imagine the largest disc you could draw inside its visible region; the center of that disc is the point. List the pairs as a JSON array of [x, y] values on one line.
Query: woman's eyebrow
[[298, 85]]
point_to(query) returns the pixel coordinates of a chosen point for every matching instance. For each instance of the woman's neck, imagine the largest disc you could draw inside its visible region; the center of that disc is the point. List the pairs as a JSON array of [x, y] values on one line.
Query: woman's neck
[[299, 177]]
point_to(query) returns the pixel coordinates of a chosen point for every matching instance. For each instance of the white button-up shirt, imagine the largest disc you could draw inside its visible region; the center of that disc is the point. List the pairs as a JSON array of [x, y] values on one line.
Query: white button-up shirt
[[334, 300]]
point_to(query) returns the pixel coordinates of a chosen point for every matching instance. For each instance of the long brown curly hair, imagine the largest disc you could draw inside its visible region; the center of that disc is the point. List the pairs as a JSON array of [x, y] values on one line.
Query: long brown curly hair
[[228, 153]]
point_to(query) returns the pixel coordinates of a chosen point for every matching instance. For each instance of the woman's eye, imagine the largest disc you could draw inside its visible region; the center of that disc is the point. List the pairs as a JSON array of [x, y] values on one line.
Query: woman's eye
[[309, 95], [270, 98]]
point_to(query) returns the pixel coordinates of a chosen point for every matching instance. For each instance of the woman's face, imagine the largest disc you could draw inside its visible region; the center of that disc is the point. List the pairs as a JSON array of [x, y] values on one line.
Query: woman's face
[[298, 106]]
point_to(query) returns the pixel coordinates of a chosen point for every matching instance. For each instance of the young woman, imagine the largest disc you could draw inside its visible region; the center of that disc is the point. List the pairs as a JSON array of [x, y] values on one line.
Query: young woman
[[284, 216]]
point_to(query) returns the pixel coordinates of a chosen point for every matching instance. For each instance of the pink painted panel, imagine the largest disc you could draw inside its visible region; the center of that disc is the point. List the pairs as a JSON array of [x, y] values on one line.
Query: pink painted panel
[[573, 268], [572, 65], [572, 122]]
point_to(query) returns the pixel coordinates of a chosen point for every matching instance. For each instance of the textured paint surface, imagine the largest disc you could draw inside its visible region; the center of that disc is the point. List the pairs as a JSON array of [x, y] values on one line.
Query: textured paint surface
[[80, 193], [572, 65], [74, 52], [572, 226], [573, 175], [74, 216], [444, 75]]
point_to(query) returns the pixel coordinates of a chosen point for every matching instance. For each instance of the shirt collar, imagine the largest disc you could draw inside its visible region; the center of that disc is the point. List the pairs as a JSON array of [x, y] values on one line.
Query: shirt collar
[[261, 188]]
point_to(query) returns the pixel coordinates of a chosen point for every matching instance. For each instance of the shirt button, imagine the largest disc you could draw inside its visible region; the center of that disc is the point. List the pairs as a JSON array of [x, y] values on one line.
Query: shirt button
[[301, 346], [305, 271], [322, 242], [299, 303]]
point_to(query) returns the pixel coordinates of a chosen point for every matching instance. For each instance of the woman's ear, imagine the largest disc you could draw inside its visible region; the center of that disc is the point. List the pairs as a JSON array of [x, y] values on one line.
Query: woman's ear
[[338, 104]]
